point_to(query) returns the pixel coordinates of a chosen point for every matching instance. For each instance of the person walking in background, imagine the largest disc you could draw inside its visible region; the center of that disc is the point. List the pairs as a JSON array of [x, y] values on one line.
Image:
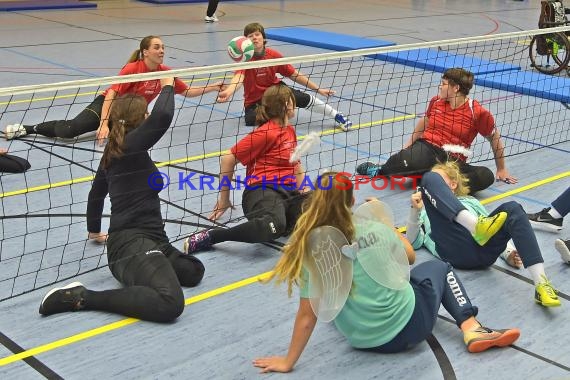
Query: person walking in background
[[211, 11]]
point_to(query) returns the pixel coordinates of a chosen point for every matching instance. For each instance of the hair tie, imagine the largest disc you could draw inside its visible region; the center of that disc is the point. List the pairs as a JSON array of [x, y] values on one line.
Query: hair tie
[[122, 121]]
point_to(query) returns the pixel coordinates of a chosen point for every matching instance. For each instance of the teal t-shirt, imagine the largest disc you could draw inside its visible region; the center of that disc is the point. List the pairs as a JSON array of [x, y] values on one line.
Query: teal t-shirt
[[424, 239], [373, 314]]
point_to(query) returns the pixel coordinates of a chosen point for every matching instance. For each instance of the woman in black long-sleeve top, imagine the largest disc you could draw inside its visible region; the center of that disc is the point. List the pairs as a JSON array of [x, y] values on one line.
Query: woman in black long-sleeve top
[[139, 253]]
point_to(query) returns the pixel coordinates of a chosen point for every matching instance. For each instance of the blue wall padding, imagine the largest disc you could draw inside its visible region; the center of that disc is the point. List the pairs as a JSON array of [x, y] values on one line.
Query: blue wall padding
[[324, 40], [172, 1], [493, 74], [440, 60], [6, 6], [529, 83]]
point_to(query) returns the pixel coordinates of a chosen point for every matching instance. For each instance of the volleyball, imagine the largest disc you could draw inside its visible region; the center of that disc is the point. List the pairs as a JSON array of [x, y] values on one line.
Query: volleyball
[[240, 49]]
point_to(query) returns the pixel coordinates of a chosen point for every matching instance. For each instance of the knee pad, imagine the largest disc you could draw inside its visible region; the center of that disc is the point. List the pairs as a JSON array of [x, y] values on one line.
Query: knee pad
[[274, 227]]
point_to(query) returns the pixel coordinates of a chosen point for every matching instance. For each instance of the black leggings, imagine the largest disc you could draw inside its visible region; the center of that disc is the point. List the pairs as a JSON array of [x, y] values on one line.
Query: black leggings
[[212, 6], [88, 120], [270, 213], [13, 164], [421, 156], [303, 100], [152, 272]]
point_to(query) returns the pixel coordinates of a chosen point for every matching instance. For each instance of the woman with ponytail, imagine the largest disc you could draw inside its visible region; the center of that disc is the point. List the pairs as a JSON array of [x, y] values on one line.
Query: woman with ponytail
[[272, 197], [95, 117], [138, 251], [374, 317]]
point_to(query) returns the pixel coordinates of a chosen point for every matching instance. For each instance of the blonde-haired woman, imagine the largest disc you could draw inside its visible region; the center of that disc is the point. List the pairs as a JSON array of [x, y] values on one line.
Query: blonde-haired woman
[[95, 117], [272, 197], [459, 229], [374, 317]]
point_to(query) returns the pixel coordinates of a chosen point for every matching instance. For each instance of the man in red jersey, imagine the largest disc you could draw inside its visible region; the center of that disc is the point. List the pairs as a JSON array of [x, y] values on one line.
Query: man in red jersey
[[256, 81], [451, 123]]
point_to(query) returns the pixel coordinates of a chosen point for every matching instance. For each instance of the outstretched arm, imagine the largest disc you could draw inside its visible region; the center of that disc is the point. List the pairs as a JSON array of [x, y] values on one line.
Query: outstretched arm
[[95, 204], [499, 153], [300, 178], [305, 81], [194, 91], [304, 326], [155, 126], [103, 130], [227, 93], [228, 164]]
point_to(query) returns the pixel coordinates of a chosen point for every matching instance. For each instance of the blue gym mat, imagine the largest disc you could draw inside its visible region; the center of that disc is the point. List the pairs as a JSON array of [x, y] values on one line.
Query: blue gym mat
[[529, 83], [440, 60], [7, 6], [325, 40], [493, 74]]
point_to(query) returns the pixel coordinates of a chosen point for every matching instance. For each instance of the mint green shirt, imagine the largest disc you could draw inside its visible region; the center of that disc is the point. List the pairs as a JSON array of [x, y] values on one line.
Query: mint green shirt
[[424, 239], [373, 314]]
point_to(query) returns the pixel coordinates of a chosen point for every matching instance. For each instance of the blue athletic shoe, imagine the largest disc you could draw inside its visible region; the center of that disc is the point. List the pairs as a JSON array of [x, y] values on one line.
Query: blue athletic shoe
[[342, 122], [368, 168]]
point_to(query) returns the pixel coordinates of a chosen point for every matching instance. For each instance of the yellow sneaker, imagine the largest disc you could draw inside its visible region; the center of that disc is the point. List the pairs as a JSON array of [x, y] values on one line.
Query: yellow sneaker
[[487, 227], [484, 338], [545, 294]]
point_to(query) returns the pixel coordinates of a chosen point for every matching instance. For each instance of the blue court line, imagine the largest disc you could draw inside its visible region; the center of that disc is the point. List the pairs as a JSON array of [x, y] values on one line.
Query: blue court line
[[382, 156], [50, 62], [211, 107], [537, 144]]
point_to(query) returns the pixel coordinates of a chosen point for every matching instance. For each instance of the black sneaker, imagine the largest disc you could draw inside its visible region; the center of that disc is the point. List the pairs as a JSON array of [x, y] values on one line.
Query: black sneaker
[[368, 168], [544, 219], [67, 298]]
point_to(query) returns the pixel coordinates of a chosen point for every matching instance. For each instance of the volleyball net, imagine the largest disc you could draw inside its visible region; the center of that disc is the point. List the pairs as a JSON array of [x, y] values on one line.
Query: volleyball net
[[43, 233]]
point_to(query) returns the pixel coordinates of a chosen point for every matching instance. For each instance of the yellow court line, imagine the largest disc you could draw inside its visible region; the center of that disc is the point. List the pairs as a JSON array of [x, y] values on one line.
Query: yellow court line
[[526, 187], [86, 93], [191, 158], [124, 322], [212, 293]]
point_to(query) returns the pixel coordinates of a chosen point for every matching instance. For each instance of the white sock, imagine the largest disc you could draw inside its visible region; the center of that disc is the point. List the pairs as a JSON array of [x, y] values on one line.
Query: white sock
[[467, 220], [554, 213], [537, 272], [318, 106]]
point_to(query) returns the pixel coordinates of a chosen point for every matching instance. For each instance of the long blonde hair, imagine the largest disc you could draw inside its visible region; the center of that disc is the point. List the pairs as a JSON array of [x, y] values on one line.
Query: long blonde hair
[[330, 204], [452, 170]]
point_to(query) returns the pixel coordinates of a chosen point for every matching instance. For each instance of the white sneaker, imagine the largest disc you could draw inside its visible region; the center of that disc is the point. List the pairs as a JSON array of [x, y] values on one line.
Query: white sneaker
[[563, 247], [13, 131], [211, 19]]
